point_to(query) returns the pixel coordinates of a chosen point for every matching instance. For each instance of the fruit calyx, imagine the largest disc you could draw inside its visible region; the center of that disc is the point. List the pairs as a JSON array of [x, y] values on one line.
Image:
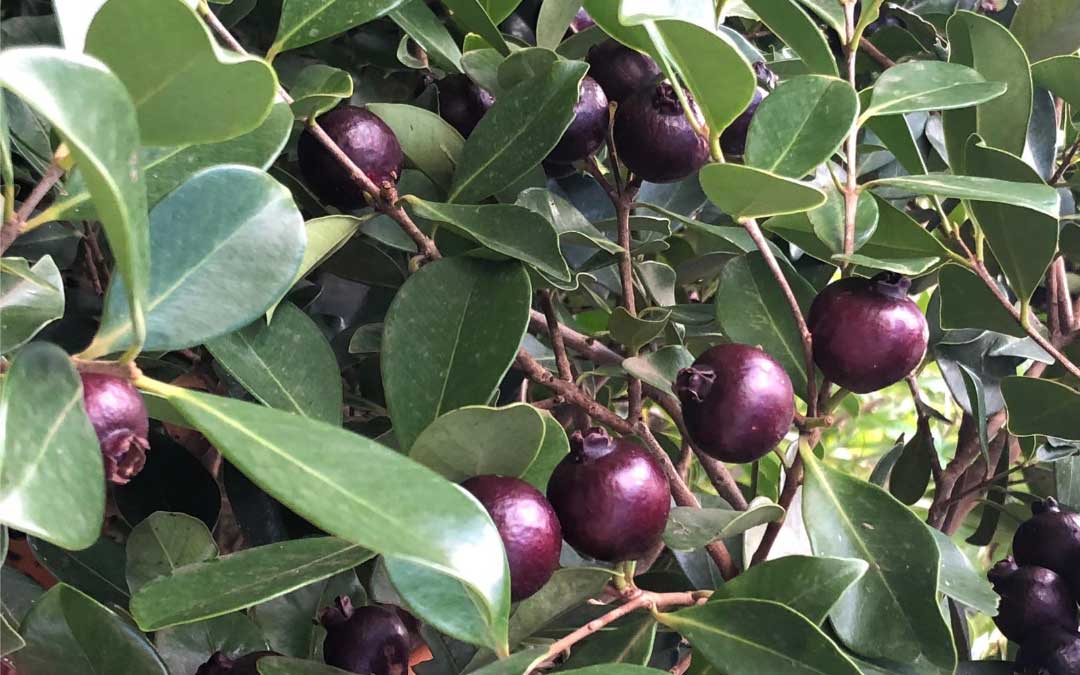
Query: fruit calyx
[[695, 382], [337, 614], [666, 101], [1049, 505], [892, 284], [593, 444], [1000, 573]]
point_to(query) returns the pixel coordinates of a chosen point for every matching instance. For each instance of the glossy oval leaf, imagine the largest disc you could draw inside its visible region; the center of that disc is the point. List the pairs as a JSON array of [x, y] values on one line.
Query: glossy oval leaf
[[175, 73], [801, 124], [52, 484], [352, 487], [263, 358], [745, 192], [892, 611], [556, 446], [163, 543], [283, 665], [97, 570], [235, 240], [1060, 75], [809, 585], [690, 528], [567, 589], [93, 112], [517, 133], [467, 318], [747, 637], [1048, 28], [966, 302], [416, 18], [828, 219], [204, 590], [752, 309], [628, 641], [479, 440], [318, 88], [511, 230], [929, 85], [793, 25], [290, 622], [659, 368], [428, 141], [304, 22], [1041, 198], [185, 648], [960, 580], [1041, 407], [68, 632], [31, 297]]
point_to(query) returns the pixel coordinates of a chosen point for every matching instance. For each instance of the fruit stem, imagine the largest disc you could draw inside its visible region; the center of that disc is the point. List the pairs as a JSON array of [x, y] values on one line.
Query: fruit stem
[[12, 226], [9, 201], [851, 189], [714, 147]]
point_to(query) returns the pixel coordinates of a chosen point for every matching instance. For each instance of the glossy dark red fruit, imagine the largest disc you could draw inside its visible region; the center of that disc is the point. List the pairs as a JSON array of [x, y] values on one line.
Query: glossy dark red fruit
[[219, 664], [1054, 651], [611, 497], [621, 71], [738, 402], [867, 333], [368, 142], [462, 102], [118, 414], [528, 526], [655, 140], [371, 640], [1033, 599], [733, 140], [587, 131], [1050, 539]]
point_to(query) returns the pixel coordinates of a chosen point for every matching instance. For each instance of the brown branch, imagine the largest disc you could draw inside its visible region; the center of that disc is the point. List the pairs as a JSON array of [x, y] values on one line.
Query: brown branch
[[979, 471], [873, 52], [1053, 313], [1066, 162], [557, 344], [1064, 301], [851, 186], [626, 274], [684, 663], [11, 229]]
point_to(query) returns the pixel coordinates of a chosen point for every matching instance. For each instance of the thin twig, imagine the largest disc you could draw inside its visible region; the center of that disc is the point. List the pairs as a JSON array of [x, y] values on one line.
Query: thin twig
[[626, 274], [557, 344], [873, 52], [1065, 307], [851, 186], [1066, 162], [1053, 314], [13, 226]]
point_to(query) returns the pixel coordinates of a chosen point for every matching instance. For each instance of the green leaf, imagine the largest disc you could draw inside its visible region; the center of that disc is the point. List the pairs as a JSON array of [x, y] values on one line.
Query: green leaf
[[416, 18], [97, 571], [615, 669], [1041, 198], [801, 124], [263, 359], [637, 331], [90, 108], [1067, 480], [479, 440], [373, 489], [185, 648], [472, 17], [929, 85], [234, 240], [519, 664], [792, 25], [1023, 242], [283, 665], [10, 640], [304, 22], [467, 318], [290, 622], [659, 368], [809, 585], [744, 192], [1060, 75], [891, 612], [325, 236], [960, 580], [525, 64], [68, 632], [627, 641], [30, 299], [689, 528], [163, 543], [910, 474], [747, 637], [752, 309], [73, 18], [554, 20], [518, 132], [567, 589], [52, 484], [428, 141], [205, 590], [1047, 28], [828, 219], [832, 13], [556, 446], [568, 221], [511, 230], [318, 88], [966, 302], [984, 44], [1041, 407], [712, 68], [900, 134], [176, 73]]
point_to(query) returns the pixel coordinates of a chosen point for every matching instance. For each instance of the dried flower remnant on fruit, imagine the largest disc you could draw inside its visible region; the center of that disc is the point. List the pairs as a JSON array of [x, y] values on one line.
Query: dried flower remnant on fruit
[[655, 140], [219, 664], [371, 640], [1033, 599], [738, 402], [528, 526], [867, 333], [611, 497], [120, 420]]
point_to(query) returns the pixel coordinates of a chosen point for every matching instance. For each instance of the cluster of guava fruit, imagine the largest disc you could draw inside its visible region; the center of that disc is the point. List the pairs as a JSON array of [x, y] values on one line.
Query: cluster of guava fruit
[[1039, 585]]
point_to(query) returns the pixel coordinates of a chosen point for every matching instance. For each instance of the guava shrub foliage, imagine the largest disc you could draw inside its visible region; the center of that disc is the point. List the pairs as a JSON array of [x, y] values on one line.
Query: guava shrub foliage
[[509, 337]]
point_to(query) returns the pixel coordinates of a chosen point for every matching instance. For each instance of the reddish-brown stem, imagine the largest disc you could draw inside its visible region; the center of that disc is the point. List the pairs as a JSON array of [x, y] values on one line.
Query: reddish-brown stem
[[626, 274], [851, 187], [12, 227], [562, 360], [873, 52], [1066, 162], [792, 481], [1053, 313], [1064, 301]]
